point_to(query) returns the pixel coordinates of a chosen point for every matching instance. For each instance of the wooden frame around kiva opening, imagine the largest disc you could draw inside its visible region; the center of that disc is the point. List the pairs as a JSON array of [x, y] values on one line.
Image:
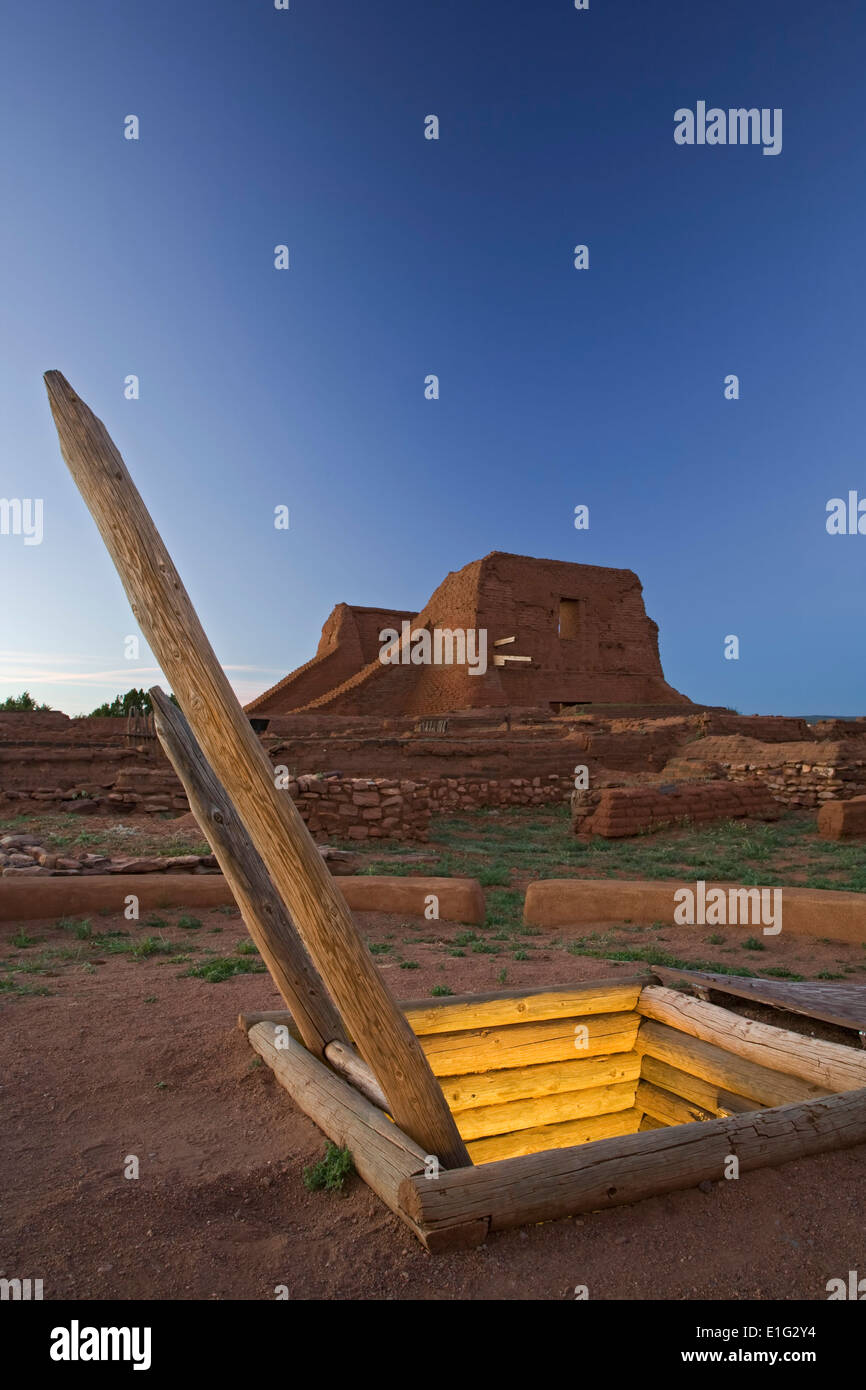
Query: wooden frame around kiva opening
[[665, 1092]]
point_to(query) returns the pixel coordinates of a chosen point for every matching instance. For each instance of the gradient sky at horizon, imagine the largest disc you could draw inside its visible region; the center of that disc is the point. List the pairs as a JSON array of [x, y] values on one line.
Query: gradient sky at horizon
[[454, 257]]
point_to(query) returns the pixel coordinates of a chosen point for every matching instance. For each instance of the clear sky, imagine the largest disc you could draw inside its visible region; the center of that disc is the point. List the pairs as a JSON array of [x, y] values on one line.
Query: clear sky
[[409, 256]]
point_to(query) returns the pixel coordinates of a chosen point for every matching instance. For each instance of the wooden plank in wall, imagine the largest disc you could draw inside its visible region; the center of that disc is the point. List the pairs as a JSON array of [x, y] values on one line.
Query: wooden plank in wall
[[520, 1083], [555, 1183], [649, 1123], [525, 1044], [531, 1141], [703, 1094], [502, 1007], [831, 1065], [667, 1107], [545, 1110], [723, 1068]]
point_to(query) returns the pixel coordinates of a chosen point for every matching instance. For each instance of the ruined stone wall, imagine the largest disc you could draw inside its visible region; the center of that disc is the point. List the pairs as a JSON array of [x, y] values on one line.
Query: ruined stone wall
[[799, 774], [622, 811]]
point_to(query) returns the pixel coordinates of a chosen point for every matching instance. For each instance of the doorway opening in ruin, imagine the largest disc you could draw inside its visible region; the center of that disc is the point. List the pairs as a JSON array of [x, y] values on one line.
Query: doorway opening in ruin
[[569, 617]]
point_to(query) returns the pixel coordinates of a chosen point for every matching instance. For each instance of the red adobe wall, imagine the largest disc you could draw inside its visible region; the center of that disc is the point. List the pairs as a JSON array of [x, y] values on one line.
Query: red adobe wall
[[623, 811], [613, 658]]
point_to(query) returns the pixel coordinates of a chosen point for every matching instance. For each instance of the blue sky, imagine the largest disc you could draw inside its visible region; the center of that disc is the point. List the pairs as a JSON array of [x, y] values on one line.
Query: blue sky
[[408, 257]]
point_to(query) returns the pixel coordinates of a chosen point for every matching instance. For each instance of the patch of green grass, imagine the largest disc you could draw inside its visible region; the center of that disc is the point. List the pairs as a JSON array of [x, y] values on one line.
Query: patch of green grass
[[715, 940], [149, 946], [22, 941], [521, 955], [409, 965], [189, 923], [246, 948], [651, 955], [752, 943], [331, 1172], [156, 923], [379, 948], [392, 867], [439, 991], [491, 875], [520, 840], [14, 987], [223, 968]]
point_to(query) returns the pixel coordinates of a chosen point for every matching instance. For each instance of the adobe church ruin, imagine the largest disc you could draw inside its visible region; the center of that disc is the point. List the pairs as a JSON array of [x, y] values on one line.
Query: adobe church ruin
[[556, 634]]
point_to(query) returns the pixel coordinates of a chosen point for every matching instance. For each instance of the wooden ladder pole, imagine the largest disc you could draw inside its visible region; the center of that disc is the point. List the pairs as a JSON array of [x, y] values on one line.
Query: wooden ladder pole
[[267, 920], [169, 622]]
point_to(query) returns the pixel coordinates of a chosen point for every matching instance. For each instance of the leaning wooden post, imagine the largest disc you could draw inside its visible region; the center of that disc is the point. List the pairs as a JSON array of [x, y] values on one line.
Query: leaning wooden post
[[169, 622], [261, 908]]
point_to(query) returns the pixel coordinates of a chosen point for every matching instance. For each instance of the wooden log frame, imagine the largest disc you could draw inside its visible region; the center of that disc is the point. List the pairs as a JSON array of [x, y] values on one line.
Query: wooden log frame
[[172, 629], [829, 1065], [588, 1162], [557, 1183]]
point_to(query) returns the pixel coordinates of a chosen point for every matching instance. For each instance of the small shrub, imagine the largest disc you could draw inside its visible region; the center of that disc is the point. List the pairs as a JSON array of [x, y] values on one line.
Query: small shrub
[[331, 1172], [438, 991]]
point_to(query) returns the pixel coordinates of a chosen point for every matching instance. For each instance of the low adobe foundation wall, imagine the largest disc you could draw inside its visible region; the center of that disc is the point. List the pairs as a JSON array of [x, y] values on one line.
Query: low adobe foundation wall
[[623, 811], [573, 902], [32, 899]]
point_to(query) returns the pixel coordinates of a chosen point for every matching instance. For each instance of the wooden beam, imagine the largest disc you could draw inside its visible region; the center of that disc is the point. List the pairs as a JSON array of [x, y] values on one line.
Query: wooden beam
[[526, 1083], [545, 1137], [456, 1012], [175, 635], [840, 1002], [563, 1182], [383, 1155], [721, 1067], [704, 1094], [668, 1107], [830, 1065], [503, 1006], [341, 1056], [267, 920], [525, 1044], [535, 1111]]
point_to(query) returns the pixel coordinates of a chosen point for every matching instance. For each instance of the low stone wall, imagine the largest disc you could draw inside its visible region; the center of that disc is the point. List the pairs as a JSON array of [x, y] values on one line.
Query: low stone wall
[[333, 807], [471, 793], [618, 812], [807, 783]]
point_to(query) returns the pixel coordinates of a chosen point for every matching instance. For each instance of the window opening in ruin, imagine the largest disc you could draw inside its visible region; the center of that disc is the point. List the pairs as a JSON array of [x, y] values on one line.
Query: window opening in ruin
[[569, 617]]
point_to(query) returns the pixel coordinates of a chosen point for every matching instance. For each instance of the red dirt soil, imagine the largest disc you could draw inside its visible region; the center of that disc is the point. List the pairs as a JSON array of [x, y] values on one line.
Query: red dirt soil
[[135, 1059]]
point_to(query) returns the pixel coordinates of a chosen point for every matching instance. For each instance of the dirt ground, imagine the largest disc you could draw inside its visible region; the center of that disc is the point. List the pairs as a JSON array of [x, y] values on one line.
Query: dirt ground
[[129, 1056]]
